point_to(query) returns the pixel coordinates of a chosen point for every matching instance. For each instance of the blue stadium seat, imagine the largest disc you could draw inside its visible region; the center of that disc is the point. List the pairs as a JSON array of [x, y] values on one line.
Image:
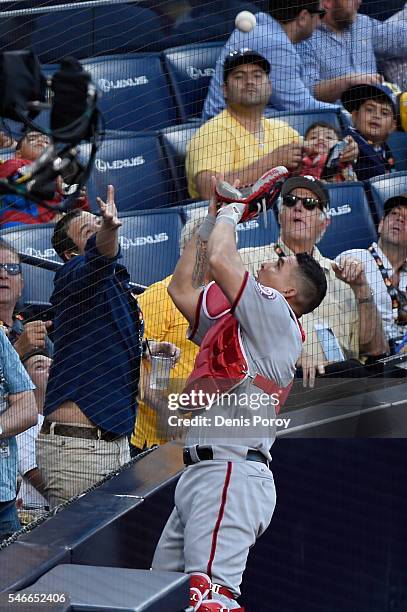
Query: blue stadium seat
[[135, 94], [69, 32], [137, 168], [34, 240], [398, 145], [124, 28], [175, 140], [150, 244], [301, 121], [352, 224], [386, 186], [7, 154], [190, 69]]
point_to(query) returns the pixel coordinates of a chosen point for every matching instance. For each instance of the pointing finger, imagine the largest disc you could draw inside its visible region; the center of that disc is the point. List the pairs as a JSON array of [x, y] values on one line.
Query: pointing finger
[[110, 194]]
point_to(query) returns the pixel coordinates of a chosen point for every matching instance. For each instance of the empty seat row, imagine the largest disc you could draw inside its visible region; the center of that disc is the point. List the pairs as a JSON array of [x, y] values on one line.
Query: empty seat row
[[150, 239], [151, 90]]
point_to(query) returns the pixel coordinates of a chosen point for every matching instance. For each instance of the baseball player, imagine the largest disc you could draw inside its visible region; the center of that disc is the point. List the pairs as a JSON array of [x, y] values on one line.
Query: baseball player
[[250, 339]]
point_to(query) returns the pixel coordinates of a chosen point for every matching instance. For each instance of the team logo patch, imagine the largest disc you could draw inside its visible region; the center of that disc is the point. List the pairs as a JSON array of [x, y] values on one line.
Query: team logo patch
[[266, 292]]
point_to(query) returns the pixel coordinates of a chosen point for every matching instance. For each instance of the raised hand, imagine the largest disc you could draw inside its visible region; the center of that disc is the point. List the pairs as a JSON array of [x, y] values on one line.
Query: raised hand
[[108, 210], [350, 271]]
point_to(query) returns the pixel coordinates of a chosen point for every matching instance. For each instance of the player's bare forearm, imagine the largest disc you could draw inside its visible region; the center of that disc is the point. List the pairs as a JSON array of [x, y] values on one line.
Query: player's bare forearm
[[181, 290], [225, 264], [201, 263]]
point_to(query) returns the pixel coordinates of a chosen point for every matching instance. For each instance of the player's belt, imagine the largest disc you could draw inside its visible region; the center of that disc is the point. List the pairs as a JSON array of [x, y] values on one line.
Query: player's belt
[[206, 454]]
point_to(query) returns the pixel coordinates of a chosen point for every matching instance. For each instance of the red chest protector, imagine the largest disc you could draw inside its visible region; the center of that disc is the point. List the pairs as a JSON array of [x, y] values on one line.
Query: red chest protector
[[221, 363]]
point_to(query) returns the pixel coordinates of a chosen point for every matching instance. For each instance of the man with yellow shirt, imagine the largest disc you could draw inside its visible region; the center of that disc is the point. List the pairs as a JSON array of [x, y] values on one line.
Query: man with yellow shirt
[[346, 325], [163, 322], [240, 143]]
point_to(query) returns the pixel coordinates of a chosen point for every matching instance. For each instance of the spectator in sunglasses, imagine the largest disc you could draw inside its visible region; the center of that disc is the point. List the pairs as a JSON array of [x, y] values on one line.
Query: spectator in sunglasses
[[347, 315], [24, 337]]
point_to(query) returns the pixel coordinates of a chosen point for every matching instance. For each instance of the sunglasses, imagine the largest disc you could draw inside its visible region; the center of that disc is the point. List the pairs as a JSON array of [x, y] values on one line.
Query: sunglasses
[[12, 269], [320, 12], [308, 203]]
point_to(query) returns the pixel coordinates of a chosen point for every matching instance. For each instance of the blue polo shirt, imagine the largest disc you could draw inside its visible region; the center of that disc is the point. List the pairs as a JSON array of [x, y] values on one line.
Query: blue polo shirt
[[13, 379], [97, 341], [289, 91], [328, 54]]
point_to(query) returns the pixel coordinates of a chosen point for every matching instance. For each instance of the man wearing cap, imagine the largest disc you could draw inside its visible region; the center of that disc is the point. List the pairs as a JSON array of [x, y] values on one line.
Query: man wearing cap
[[385, 267], [240, 142], [275, 36], [346, 325], [344, 49], [373, 109]]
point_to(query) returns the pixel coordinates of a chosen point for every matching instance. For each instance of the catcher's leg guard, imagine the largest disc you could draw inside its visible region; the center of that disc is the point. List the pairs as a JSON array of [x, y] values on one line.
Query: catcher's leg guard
[[200, 586]]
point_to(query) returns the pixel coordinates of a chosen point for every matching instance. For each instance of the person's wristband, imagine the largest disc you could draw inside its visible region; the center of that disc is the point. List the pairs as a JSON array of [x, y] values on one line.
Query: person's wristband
[[232, 213], [206, 227]]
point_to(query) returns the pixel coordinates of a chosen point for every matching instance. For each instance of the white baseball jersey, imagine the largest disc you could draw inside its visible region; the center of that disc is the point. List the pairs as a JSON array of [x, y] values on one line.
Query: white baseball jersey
[[271, 340]]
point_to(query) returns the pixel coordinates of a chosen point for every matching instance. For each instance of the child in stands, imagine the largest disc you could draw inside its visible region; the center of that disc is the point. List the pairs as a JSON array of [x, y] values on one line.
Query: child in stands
[[319, 140], [373, 109]]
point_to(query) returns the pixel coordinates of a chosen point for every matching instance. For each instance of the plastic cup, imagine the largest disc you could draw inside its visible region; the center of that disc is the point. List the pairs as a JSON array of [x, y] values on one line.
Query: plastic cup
[[160, 371]]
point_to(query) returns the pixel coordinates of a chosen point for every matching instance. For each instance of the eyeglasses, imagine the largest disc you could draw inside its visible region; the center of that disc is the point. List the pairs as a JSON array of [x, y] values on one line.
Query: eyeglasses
[[12, 269], [308, 203]]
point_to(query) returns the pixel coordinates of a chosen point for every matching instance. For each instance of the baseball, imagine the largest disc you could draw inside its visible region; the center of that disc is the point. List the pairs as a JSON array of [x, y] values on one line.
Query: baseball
[[245, 21]]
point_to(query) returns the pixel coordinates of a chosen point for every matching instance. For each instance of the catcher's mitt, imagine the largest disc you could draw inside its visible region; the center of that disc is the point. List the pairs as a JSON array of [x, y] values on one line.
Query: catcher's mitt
[[257, 197]]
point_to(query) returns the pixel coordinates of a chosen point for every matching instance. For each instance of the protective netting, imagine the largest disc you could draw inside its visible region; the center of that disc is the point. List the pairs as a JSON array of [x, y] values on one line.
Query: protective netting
[[159, 71]]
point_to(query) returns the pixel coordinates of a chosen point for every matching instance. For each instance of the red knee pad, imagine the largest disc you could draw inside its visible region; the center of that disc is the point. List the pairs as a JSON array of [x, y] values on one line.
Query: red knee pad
[[200, 586]]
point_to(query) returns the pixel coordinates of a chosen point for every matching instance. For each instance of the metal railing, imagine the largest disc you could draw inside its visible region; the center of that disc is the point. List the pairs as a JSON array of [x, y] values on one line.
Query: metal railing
[[53, 266]]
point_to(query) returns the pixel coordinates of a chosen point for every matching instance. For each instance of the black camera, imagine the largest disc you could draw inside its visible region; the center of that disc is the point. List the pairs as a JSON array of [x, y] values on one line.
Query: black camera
[[71, 97]]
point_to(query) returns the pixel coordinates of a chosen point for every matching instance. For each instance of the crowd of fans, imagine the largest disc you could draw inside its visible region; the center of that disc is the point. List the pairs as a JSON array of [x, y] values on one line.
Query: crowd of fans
[[69, 413]]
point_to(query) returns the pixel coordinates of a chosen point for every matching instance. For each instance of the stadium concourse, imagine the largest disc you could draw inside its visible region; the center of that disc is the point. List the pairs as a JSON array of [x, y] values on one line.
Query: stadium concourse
[[107, 306]]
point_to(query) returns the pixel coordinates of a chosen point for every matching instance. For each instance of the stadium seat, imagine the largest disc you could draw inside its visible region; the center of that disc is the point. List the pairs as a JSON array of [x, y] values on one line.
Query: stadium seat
[[69, 32], [175, 140], [134, 92], [34, 240], [137, 168], [150, 244], [190, 69], [352, 224], [301, 121], [398, 145], [124, 28], [6, 154], [386, 186]]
